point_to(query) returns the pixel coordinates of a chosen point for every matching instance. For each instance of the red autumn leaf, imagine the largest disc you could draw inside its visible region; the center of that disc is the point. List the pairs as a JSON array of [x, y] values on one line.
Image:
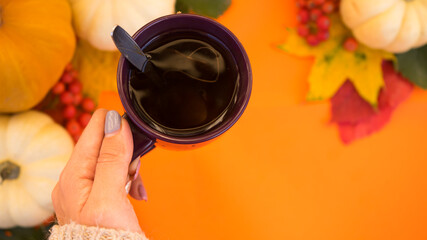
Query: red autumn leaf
[[349, 107], [356, 118]]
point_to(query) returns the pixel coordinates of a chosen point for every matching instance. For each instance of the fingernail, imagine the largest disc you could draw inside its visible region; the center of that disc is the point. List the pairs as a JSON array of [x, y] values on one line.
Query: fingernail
[[134, 166], [112, 122], [127, 187], [142, 192]]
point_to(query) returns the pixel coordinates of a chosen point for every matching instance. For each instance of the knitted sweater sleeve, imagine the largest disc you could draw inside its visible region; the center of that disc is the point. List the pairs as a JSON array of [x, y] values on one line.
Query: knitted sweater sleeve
[[75, 231]]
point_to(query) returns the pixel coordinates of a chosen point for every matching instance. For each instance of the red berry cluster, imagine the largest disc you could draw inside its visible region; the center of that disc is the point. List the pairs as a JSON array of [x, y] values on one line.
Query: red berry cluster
[[75, 109], [313, 19]]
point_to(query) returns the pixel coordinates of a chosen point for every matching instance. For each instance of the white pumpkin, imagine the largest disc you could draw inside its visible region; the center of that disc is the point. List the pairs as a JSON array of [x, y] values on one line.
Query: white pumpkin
[[33, 152], [94, 20], [392, 25]]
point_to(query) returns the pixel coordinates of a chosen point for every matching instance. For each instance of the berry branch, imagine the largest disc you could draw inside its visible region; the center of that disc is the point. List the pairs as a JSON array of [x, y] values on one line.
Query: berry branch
[[314, 19], [66, 104]]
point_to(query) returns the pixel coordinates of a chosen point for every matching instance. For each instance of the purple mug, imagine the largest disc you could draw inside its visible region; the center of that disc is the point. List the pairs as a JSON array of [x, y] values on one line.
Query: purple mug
[[145, 138]]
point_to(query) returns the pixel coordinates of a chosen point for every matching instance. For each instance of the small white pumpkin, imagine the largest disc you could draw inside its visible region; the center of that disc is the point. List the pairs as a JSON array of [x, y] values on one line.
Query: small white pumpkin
[[392, 25], [94, 20], [33, 152]]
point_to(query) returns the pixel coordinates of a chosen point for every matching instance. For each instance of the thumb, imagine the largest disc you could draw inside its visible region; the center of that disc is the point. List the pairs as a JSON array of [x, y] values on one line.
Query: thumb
[[114, 157]]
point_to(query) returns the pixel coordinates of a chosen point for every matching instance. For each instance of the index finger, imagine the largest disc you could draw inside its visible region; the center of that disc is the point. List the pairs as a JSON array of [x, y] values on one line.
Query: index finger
[[77, 177], [84, 157]]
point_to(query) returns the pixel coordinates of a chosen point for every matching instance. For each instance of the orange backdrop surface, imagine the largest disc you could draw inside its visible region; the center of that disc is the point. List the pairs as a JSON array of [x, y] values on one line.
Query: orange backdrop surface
[[282, 172]]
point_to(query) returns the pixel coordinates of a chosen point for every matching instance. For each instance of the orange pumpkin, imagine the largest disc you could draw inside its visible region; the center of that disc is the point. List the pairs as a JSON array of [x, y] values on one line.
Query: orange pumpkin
[[36, 42]]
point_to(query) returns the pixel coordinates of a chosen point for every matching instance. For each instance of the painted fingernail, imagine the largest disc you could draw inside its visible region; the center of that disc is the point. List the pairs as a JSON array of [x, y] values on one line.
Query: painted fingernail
[[134, 166], [127, 187], [142, 192], [112, 122]]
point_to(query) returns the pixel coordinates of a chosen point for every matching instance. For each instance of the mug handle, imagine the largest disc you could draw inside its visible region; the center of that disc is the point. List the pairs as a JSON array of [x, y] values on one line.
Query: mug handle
[[141, 143]]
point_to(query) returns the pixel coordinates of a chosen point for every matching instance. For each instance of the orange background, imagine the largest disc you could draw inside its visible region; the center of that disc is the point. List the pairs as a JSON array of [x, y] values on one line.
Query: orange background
[[282, 172]]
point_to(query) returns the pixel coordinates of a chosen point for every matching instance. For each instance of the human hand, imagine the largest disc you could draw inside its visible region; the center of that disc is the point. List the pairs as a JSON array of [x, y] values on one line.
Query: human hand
[[91, 189]]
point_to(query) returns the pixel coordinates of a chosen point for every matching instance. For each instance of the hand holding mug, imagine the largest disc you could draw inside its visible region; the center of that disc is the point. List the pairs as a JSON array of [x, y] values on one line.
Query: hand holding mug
[[92, 187]]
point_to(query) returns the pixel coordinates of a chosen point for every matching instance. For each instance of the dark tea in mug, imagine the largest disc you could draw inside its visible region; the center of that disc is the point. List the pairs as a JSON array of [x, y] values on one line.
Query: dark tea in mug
[[188, 85]]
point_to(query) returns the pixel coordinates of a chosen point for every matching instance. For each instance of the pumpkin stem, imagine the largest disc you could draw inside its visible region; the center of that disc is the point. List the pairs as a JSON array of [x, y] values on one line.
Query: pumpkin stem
[[9, 171]]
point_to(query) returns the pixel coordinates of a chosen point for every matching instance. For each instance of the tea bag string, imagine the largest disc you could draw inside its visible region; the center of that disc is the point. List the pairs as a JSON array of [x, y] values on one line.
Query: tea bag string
[[192, 59]]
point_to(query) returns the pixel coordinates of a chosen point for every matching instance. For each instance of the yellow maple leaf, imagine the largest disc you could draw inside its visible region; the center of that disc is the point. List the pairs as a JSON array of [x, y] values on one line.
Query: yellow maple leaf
[[333, 64]]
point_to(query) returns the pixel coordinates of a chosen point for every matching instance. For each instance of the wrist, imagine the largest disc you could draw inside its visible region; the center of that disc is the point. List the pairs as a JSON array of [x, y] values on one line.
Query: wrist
[[76, 231]]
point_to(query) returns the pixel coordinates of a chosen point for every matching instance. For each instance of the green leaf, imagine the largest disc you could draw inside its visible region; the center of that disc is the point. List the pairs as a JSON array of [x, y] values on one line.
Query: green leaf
[[210, 8], [413, 66], [18, 233]]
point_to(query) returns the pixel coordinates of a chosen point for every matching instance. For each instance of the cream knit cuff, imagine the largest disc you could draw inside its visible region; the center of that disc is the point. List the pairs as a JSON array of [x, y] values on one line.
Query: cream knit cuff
[[80, 232]]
